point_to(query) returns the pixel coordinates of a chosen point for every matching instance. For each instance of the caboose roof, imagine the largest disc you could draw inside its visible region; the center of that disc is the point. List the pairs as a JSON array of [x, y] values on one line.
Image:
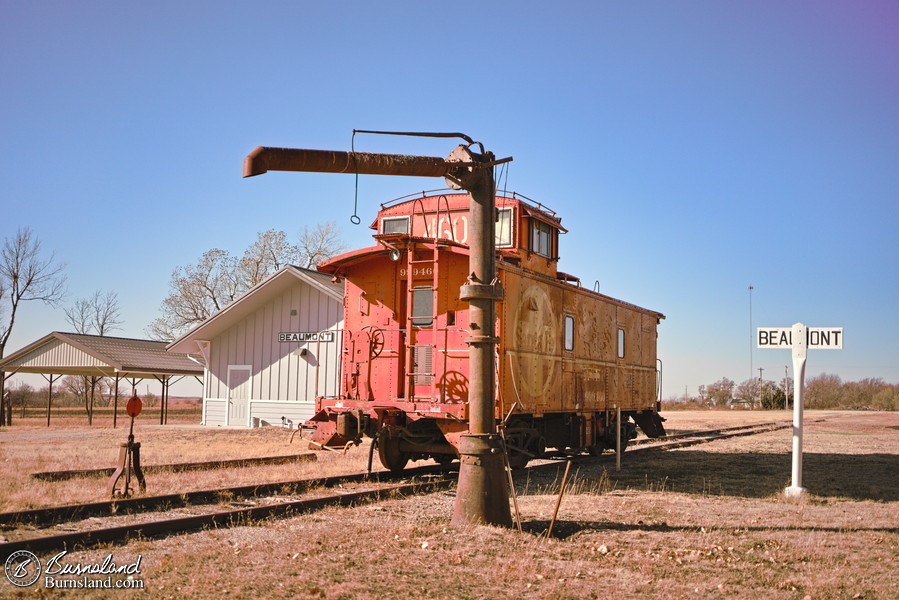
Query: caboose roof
[[407, 205], [354, 257]]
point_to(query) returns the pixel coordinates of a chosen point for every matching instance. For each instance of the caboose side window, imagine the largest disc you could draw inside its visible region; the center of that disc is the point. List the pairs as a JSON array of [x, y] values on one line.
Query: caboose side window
[[620, 342], [422, 307], [541, 238], [395, 225], [569, 333], [504, 227]]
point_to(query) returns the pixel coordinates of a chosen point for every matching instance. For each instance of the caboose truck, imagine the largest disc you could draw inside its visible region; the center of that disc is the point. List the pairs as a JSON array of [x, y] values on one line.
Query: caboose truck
[[566, 358]]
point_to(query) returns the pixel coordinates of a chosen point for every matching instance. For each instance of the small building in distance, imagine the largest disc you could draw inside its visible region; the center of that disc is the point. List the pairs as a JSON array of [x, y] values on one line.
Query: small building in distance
[[271, 352]]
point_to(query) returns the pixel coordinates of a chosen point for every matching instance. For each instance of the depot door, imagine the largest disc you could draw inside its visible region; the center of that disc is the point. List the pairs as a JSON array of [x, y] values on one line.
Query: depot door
[[239, 390]]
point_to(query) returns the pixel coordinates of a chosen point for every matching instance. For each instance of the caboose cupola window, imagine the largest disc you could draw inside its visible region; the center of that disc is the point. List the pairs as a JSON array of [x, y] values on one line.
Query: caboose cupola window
[[395, 225], [504, 227], [541, 238], [422, 307]]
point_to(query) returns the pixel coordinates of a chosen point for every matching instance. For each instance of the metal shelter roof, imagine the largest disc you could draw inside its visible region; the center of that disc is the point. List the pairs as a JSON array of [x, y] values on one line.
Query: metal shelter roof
[[102, 356]]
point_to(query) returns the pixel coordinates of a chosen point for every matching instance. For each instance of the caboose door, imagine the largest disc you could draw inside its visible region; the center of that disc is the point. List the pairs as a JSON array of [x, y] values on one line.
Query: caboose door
[[420, 342], [420, 284]]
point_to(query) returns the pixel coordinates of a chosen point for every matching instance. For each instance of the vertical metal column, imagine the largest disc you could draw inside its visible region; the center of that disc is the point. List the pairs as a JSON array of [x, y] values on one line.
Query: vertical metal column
[[482, 495]]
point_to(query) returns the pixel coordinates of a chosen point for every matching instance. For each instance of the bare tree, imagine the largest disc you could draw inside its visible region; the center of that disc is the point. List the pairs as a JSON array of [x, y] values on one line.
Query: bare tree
[[269, 252], [319, 243], [197, 292], [26, 275], [748, 390], [719, 393], [97, 315]]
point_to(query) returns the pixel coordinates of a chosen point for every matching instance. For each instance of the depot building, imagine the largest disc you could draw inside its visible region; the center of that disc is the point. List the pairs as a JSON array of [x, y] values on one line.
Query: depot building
[[271, 352]]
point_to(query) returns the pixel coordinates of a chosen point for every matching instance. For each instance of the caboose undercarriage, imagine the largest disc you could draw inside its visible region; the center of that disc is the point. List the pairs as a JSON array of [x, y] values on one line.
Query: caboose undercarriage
[[401, 435]]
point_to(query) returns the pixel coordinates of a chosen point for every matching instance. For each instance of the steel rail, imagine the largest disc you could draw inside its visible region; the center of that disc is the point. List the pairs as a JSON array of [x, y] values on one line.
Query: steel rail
[[180, 467], [226, 518], [108, 508], [689, 434]]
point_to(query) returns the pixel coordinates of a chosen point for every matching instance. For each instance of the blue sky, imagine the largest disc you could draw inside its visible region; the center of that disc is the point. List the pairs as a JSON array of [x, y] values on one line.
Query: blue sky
[[692, 148]]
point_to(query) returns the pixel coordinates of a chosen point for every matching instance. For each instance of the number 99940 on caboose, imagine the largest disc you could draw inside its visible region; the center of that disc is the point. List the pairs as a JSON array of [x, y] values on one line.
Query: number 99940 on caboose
[[567, 359]]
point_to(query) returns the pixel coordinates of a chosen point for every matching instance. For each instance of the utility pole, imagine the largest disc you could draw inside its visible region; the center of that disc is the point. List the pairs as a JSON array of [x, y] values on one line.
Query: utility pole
[[482, 495], [786, 392], [751, 341], [760, 385]]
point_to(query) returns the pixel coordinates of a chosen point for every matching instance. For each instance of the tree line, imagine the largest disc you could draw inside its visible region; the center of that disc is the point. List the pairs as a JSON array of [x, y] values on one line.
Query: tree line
[[823, 391]]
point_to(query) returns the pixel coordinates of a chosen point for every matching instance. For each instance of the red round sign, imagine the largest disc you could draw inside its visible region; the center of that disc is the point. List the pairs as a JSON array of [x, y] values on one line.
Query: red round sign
[[133, 407]]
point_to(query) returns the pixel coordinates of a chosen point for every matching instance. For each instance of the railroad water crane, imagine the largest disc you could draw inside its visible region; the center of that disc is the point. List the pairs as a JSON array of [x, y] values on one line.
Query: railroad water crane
[[482, 496]]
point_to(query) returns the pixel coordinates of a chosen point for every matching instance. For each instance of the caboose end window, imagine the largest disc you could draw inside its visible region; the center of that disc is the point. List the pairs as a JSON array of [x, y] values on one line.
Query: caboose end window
[[395, 225], [569, 333], [620, 342], [541, 238]]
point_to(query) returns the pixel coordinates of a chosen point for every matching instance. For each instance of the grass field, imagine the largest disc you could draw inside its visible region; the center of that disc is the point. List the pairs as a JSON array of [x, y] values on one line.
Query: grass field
[[707, 521]]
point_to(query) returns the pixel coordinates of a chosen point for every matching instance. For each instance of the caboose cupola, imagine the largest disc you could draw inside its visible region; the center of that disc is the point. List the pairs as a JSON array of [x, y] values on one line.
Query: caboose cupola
[[526, 234]]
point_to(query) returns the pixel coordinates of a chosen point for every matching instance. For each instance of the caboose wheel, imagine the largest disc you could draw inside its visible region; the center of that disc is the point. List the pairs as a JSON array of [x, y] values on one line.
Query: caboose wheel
[[518, 460], [444, 459], [390, 454], [595, 450]]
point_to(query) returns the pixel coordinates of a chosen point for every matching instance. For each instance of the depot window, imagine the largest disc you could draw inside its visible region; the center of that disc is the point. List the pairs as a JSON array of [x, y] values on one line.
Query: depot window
[[504, 227], [541, 238], [422, 307], [395, 225], [569, 333], [621, 342]]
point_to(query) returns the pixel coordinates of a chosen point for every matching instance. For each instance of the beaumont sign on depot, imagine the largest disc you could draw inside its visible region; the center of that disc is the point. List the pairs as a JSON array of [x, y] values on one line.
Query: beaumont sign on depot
[[306, 336], [816, 337]]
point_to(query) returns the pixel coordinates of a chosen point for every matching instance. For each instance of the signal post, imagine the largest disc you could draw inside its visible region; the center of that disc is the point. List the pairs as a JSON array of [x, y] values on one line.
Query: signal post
[[799, 338]]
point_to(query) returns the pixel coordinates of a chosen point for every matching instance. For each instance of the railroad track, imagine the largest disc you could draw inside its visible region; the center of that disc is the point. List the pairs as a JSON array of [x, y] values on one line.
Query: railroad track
[[80, 525], [110, 521]]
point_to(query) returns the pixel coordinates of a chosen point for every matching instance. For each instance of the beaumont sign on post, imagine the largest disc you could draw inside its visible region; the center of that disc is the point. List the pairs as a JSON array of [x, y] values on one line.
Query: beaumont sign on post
[[799, 338]]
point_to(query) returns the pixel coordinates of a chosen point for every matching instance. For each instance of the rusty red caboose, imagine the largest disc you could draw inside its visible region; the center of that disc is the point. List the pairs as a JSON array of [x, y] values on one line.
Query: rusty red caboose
[[568, 357]]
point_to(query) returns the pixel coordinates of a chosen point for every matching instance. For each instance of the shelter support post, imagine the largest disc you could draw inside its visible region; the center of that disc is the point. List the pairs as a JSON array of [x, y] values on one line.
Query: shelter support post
[[49, 381], [3, 409], [115, 406]]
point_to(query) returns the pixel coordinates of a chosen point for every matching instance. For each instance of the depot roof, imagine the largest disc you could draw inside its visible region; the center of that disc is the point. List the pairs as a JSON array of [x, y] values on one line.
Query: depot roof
[[101, 356]]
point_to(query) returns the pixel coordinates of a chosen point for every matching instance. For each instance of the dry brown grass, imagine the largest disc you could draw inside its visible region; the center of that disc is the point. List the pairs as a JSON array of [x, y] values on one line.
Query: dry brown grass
[[29, 449], [703, 522]]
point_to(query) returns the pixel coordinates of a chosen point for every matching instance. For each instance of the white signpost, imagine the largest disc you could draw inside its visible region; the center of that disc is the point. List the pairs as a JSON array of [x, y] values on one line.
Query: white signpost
[[799, 338]]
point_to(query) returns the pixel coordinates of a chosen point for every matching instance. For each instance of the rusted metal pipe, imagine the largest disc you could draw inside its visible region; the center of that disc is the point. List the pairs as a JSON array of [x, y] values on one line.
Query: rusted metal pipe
[[264, 159]]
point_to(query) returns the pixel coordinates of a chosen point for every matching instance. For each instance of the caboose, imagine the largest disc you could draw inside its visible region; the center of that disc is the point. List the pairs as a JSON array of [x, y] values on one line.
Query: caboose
[[567, 359]]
